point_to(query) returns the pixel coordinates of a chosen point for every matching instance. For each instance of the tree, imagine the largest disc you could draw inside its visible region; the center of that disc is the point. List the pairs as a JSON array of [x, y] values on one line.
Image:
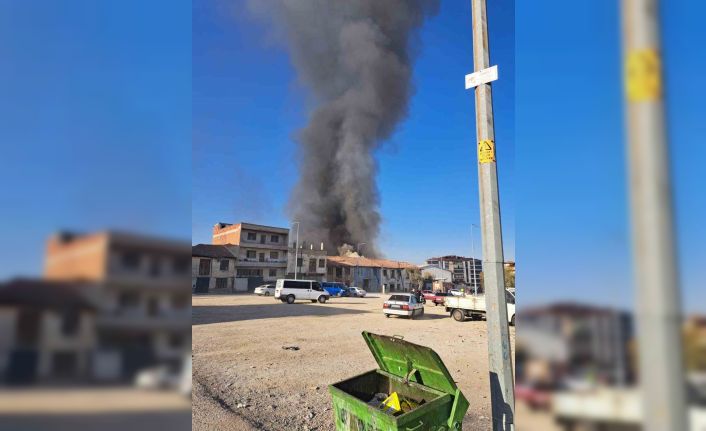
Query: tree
[[509, 276]]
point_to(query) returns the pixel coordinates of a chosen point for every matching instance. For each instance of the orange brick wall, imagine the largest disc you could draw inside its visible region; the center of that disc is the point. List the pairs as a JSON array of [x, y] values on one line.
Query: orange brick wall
[[229, 235], [83, 258]]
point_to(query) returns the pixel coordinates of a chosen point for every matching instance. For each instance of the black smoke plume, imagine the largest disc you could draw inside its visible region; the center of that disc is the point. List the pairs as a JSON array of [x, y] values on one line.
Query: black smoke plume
[[355, 57]]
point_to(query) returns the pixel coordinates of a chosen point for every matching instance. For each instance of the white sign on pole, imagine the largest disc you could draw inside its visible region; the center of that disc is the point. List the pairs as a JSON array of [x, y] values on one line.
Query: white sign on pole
[[482, 77]]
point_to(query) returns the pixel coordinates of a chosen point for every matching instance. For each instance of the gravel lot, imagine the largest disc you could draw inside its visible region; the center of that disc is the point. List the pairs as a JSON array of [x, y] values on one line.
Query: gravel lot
[[244, 379]]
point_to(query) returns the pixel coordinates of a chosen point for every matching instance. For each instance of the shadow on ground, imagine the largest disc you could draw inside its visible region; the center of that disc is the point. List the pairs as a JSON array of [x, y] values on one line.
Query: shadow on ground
[[206, 314]]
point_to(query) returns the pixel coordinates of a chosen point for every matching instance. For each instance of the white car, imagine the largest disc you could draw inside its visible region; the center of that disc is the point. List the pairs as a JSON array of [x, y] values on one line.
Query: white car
[[455, 292], [265, 290], [292, 290], [357, 291], [403, 304]]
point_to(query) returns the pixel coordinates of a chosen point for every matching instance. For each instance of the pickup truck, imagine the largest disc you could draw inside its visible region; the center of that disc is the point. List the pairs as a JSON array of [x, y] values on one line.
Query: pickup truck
[[473, 306]]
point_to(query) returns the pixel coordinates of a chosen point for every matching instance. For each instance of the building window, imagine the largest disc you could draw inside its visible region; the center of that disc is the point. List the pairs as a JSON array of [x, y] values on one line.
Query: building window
[[322, 263], [69, 323], [129, 300], [204, 266], [312, 265], [221, 283], [225, 264], [300, 262], [155, 267], [339, 271], [274, 255], [384, 272], [274, 238], [273, 273], [251, 254], [252, 236], [348, 271], [131, 260]]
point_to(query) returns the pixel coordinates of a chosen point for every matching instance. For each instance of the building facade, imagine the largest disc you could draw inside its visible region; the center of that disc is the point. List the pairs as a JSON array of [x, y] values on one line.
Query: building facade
[[213, 269], [261, 251], [465, 270], [47, 332], [371, 275], [141, 288], [309, 261]]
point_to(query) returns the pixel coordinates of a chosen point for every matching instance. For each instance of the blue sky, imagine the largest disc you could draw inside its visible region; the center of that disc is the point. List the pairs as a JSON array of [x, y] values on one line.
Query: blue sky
[[247, 106], [95, 121], [573, 234]]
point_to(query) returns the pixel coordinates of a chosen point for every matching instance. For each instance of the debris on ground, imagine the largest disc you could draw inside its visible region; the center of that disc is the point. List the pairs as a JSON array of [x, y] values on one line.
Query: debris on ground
[[290, 347]]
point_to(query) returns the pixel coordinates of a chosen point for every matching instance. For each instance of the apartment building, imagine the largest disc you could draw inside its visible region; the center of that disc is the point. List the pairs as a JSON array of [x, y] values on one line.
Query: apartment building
[[141, 284], [372, 275], [261, 251], [465, 270]]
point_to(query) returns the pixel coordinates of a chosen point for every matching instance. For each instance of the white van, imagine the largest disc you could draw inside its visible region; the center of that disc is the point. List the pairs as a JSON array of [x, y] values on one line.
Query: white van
[[292, 290]]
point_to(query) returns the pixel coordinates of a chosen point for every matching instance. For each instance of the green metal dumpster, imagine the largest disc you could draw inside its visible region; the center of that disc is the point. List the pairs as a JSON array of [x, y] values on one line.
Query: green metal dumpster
[[414, 372]]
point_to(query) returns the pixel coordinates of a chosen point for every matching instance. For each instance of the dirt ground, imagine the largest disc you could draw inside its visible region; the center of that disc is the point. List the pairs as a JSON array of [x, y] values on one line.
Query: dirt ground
[[244, 379]]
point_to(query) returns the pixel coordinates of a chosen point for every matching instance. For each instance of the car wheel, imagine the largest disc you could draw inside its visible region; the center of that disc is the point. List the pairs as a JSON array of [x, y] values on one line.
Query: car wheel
[[512, 321], [267, 293], [387, 315], [458, 315], [322, 299], [290, 299]]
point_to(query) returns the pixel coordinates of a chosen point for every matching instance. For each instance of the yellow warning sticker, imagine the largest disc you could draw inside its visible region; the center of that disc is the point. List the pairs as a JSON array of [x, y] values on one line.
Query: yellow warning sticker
[[486, 151], [643, 76]]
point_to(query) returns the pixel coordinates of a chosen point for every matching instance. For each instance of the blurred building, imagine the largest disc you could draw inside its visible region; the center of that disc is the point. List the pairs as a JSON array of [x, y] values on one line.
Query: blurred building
[[564, 343], [213, 269], [261, 251], [310, 262], [461, 267], [140, 284], [372, 275], [47, 332]]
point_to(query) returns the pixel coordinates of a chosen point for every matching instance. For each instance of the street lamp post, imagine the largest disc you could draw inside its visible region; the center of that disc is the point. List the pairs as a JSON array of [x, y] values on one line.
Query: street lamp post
[[296, 251]]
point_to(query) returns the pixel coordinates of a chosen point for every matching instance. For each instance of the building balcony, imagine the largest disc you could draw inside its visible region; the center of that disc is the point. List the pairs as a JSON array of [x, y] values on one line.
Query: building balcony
[[244, 243], [257, 263]]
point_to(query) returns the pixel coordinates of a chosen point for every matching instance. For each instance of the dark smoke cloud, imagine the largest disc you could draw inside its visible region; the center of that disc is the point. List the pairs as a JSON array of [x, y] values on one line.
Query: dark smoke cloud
[[354, 56]]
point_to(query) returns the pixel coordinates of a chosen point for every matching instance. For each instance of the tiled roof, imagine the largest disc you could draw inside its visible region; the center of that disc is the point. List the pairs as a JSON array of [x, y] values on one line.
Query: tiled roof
[[364, 261], [45, 294], [210, 250]]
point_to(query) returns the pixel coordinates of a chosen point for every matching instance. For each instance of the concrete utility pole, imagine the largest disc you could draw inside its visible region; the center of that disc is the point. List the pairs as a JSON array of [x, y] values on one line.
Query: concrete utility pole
[[296, 251], [499, 352], [659, 319]]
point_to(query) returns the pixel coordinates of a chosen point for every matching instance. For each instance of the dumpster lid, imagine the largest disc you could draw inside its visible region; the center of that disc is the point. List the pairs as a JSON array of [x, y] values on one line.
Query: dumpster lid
[[402, 358]]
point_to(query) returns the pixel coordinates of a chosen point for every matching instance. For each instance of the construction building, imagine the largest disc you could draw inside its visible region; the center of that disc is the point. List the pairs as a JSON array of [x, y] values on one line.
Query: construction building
[[371, 275], [140, 286], [309, 260], [438, 275], [261, 252], [461, 267]]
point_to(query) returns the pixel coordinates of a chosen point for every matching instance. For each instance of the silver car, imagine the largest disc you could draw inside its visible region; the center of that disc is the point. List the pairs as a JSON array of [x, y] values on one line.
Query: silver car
[[265, 290], [357, 291]]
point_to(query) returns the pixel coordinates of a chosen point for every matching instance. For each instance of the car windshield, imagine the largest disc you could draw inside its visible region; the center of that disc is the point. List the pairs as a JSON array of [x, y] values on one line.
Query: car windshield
[[403, 298]]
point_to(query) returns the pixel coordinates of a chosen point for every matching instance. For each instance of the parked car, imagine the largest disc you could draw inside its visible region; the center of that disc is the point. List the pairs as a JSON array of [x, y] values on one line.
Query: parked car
[[292, 290], [334, 288], [428, 295], [357, 291], [265, 290], [438, 298], [402, 304], [455, 292]]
